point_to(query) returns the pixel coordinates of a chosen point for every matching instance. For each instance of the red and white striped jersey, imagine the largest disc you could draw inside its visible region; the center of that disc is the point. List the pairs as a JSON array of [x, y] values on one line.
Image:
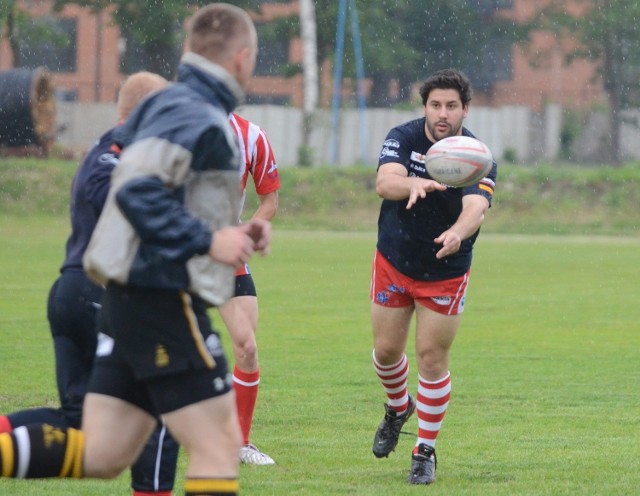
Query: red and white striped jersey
[[259, 160]]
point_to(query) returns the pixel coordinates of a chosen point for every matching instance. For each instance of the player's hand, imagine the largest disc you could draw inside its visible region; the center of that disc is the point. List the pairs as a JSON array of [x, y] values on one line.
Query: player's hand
[[420, 187], [232, 246], [450, 241], [259, 230]]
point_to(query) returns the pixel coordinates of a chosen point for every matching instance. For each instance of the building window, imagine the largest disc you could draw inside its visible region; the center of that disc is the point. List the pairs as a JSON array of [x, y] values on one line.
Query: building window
[[489, 7], [66, 95], [273, 52], [161, 57], [255, 99], [496, 65], [49, 42]]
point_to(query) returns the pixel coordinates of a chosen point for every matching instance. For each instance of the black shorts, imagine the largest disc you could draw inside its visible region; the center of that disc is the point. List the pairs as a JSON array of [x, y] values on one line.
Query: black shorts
[[245, 285], [157, 349]]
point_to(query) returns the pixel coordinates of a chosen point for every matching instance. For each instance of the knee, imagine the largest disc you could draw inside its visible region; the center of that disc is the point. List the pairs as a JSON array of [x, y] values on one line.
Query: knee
[[247, 350], [387, 355], [432, 365], [104, 464]]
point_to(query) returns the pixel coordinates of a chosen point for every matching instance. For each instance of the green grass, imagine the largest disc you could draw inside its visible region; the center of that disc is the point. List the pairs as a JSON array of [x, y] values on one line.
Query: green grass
[[545, 367]]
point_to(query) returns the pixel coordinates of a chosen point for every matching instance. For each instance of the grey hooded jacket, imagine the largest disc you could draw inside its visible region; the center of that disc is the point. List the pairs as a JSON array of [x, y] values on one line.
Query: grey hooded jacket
[[177, 182]]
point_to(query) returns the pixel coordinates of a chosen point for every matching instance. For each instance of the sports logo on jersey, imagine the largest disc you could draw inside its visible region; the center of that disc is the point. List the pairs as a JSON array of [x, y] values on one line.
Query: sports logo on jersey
[[273, 169], [391, 143], [417, 162], [108, 158], [387, 152], [417, 157]]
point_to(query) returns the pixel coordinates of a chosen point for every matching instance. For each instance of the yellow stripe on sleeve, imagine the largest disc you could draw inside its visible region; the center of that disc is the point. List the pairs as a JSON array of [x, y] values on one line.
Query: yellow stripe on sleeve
[[486, 188]]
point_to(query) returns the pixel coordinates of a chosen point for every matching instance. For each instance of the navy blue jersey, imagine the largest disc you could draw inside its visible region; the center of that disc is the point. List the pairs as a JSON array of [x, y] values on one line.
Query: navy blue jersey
[[88, 195], [405, 237]]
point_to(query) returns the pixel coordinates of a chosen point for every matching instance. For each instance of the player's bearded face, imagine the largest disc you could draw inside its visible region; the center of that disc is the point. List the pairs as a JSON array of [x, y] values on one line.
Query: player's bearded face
[[444, 113]]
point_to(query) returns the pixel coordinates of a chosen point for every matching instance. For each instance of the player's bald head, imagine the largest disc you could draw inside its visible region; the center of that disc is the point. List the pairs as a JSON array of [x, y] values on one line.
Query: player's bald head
[[135, 88], [220, 30]]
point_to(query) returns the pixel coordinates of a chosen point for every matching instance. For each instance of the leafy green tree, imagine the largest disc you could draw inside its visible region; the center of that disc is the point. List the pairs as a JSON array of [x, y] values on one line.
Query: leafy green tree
[[425, 37], [402, 40], [9, 15], [21, 29], [607, 34], [407, 40], [153, 27]]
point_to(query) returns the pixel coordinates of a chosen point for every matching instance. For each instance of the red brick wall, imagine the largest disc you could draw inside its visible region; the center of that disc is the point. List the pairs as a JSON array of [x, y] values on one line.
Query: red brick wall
[[97, 76], [541, 76], [549, 80]]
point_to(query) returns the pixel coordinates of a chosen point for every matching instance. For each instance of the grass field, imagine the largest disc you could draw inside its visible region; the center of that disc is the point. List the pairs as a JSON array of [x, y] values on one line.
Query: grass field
[[530, 199], [545, 368]]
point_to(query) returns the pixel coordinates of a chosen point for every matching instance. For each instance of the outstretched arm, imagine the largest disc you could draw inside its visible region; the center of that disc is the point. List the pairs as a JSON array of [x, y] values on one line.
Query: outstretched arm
[[469, 221], [393, 183]]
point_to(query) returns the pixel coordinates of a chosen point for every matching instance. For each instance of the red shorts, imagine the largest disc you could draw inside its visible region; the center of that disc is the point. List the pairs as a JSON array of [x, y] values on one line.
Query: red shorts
[[391, 288], [243, 271]]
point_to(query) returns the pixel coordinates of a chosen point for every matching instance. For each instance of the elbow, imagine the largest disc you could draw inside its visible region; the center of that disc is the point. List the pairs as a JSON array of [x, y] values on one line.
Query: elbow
[[272, 208], [379, 188]]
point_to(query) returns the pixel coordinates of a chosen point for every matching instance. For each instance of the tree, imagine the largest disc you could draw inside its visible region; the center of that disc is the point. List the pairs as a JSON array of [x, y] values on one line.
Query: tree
[[8, 14], [310, 72], [151, 28], [607, 34], [405, 41], [21, 29]]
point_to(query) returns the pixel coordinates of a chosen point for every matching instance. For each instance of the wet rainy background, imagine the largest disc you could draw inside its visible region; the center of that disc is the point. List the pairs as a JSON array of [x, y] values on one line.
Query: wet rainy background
[[546, 396]]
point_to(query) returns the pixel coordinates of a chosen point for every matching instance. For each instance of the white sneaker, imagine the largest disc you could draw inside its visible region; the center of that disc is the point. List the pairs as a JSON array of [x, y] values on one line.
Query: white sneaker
[[251, 455]]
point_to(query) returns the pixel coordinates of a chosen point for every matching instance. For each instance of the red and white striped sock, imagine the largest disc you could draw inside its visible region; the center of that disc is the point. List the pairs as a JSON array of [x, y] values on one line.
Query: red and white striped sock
[[246, 385], [394, 380], [432, 402]]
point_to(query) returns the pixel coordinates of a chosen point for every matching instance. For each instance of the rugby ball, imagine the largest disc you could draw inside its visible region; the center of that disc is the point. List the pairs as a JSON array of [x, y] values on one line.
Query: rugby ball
[[458, 161]]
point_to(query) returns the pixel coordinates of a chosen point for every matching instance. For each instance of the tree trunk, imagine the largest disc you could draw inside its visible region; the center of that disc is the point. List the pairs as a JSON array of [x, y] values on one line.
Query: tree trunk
[[13, 40], [612, 82], [310, 75]]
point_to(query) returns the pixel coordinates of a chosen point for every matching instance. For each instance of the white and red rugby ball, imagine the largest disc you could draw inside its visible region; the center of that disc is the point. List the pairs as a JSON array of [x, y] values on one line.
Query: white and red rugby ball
[[458, 161]]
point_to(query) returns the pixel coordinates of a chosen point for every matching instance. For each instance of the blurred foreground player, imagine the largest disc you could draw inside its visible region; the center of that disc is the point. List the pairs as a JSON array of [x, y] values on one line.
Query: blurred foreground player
[[166, 246], [74, 301]]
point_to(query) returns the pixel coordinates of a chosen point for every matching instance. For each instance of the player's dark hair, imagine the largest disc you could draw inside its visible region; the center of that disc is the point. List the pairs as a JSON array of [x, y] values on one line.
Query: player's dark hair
[[447, 79]]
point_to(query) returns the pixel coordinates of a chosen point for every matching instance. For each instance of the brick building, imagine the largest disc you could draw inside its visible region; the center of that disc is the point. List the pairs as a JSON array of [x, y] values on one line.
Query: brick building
[[90, 68]]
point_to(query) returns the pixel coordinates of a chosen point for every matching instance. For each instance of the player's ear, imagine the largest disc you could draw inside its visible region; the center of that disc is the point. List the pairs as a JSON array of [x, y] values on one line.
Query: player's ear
[[241, 60]]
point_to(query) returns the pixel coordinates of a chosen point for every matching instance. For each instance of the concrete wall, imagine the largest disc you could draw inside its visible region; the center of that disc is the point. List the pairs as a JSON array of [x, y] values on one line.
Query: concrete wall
[[531, 136]]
